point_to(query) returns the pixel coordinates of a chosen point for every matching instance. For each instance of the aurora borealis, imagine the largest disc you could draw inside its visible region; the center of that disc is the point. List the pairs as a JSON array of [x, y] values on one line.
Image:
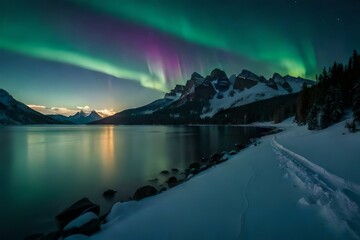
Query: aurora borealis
[[110, 54]]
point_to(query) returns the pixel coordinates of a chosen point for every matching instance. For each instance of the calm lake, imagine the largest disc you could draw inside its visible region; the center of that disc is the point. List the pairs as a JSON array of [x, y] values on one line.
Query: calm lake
[[44, 169]]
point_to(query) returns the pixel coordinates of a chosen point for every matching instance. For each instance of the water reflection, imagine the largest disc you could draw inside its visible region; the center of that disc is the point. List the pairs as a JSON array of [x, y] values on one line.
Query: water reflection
[[107, 151]]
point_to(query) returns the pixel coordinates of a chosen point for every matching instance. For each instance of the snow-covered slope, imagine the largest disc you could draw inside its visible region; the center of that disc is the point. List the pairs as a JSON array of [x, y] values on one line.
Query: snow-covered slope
[[279, 189], [259, 89], [13, 112]]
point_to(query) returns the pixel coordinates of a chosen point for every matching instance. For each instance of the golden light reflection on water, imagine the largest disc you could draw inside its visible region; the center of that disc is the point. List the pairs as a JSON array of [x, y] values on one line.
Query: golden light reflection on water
[[107, 151]]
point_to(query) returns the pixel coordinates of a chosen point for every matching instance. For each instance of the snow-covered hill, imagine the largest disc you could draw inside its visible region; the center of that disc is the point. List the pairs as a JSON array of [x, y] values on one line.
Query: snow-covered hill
[[284, 187], [13, 112]]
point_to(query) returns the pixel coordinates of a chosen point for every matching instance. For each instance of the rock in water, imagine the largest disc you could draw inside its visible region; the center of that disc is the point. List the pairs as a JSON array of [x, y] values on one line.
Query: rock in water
[[144, 192], [80, 207], [108, 194], [195, 165], [172, 182]]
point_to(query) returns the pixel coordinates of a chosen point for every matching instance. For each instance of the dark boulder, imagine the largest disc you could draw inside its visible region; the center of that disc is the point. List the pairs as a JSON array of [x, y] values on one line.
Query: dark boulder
[[240, 146], [216, 157], [80, 207], [195, 165], [144, 192], [233, 152], [175, 170], [108, 194], [165, 172], [172, 182]]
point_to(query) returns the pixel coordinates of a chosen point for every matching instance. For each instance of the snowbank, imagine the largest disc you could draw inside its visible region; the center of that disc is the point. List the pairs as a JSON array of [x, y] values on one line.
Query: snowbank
[[274, 190], [81, 220]]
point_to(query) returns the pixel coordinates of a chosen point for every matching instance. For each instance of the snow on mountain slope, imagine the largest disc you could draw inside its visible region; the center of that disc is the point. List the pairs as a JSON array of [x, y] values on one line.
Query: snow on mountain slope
[[234, 98], [253, 196], [203, 97]]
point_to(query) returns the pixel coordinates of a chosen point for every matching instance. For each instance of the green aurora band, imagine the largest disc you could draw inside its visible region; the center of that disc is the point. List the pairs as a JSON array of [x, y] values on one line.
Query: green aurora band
[[255, 39], [26, 31], [84, 61]]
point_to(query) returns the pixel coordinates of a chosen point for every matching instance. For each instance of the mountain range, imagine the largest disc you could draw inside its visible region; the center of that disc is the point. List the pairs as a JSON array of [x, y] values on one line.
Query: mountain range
[[214, 99], [78, 118], [205, 98]]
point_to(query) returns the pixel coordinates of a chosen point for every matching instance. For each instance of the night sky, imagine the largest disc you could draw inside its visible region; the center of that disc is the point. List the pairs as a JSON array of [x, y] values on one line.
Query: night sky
[[111, 55]]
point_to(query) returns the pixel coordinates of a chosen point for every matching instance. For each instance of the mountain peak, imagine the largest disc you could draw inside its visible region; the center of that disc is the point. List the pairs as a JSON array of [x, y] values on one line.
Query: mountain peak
[[82, 118], [13, 112], [276, 75], [278, 79], [5, 97], [249, 75], [196, 75], [94, 113], [93, 116], [218, 74], [4, 93]]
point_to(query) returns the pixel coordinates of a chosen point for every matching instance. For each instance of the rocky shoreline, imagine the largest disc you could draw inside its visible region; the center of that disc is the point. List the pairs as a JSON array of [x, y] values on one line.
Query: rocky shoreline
[[83, 217]]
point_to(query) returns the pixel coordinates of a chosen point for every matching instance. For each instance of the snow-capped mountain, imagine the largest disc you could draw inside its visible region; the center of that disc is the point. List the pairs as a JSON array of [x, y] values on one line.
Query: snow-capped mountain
[[13, 112], [248, 88], [203, 97], [78, 118]]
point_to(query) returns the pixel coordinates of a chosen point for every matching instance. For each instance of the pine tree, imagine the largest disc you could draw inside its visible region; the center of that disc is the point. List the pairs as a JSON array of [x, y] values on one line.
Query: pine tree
[[303, 105], [313, 119], [333, 107], [356, 100]]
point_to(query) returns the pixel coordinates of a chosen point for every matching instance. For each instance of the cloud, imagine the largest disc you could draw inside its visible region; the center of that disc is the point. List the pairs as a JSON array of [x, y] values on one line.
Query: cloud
[[36, 106], [105, 112], [85, 108], [70, 111], [52, 110]]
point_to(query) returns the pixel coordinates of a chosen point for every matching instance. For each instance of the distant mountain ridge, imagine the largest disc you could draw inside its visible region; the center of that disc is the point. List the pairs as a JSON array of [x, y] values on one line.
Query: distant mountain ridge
[[78, 118], [13, 112], [203, 97]]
